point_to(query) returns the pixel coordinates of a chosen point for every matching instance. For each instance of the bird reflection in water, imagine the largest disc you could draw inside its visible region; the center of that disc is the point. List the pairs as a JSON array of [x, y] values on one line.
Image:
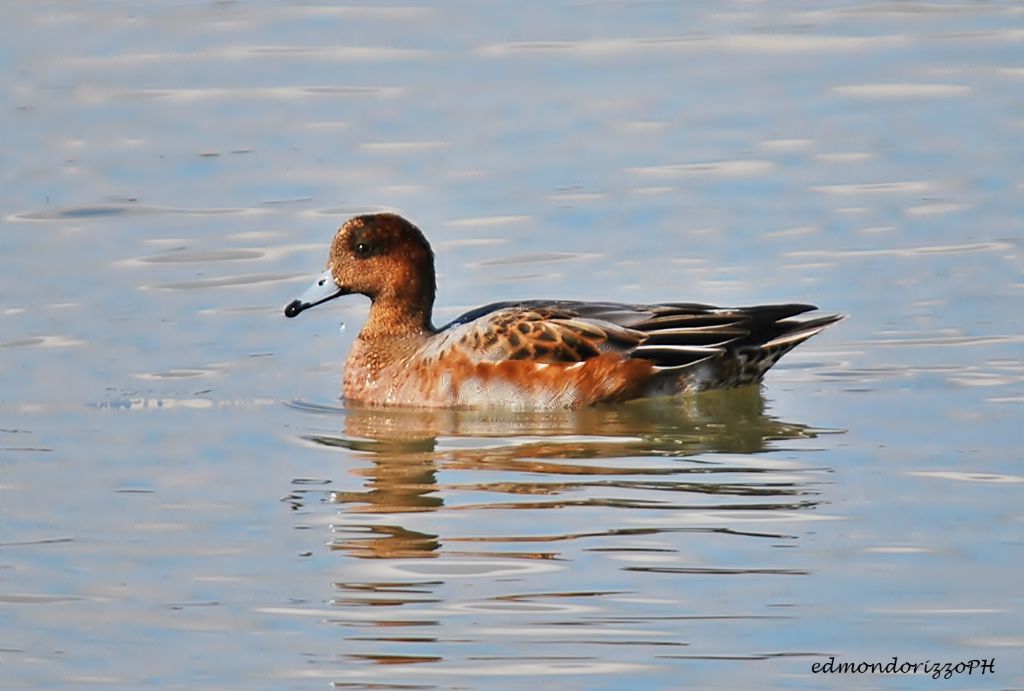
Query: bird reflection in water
[[556, 459]]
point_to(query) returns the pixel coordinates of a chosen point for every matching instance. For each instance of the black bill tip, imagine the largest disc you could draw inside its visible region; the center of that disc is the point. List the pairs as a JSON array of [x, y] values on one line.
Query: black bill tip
[[294, 307]]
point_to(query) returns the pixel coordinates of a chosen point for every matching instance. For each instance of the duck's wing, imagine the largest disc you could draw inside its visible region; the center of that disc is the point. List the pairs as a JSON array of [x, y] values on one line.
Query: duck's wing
[[538, 330], [669, 335]]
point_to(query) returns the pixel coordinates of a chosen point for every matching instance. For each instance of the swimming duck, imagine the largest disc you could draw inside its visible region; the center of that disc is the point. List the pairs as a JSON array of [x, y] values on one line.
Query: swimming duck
[[532, 354]]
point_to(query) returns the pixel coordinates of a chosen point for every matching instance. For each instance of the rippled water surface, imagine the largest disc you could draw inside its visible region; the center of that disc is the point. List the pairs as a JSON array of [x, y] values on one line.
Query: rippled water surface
[[186, 503]]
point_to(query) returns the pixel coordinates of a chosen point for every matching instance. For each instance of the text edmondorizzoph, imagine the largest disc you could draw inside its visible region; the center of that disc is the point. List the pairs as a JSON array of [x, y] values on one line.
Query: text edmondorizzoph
[[944, 670]]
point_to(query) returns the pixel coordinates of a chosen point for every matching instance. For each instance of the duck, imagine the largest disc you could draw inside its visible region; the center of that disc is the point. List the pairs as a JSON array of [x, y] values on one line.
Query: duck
[[532, 354]]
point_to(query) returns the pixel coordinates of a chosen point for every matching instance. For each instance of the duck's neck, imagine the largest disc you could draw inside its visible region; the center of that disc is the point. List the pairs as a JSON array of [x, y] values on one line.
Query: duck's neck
[[397, 318]]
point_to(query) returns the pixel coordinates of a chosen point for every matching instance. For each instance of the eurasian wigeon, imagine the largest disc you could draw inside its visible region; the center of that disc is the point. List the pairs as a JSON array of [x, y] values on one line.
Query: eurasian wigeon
[[532, 353]]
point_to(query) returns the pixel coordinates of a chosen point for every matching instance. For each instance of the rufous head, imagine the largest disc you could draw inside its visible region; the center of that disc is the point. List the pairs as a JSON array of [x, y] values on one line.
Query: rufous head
[[382, 256]]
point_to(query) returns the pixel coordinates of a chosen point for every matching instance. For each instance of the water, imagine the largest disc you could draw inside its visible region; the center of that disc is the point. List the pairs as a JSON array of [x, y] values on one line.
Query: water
[[186, 503]]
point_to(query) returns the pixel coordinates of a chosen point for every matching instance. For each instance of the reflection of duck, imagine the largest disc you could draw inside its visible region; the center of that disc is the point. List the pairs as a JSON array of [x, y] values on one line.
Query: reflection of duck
[[545, 459], [537, 354], [731, 421]]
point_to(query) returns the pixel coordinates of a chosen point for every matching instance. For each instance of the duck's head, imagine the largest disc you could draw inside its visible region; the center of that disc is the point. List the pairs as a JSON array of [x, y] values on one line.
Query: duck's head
[[382, 256]]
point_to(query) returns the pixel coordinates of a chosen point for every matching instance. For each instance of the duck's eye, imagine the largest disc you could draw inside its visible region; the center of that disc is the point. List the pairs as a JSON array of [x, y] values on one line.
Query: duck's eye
[[362, 249]]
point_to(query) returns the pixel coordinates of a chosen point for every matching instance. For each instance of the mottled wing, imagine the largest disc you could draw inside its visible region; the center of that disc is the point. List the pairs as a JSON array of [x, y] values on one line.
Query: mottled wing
[[540, 331]]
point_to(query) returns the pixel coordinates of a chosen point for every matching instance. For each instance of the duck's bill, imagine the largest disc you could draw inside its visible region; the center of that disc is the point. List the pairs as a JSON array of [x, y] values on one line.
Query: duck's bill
[[324, 288]]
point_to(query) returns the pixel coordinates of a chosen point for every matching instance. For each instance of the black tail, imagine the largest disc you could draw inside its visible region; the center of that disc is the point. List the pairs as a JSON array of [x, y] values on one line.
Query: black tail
[[708, 347]]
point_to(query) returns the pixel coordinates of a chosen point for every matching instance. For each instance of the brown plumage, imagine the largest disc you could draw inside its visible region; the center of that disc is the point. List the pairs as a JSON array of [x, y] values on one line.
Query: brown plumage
[[535, 353]]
